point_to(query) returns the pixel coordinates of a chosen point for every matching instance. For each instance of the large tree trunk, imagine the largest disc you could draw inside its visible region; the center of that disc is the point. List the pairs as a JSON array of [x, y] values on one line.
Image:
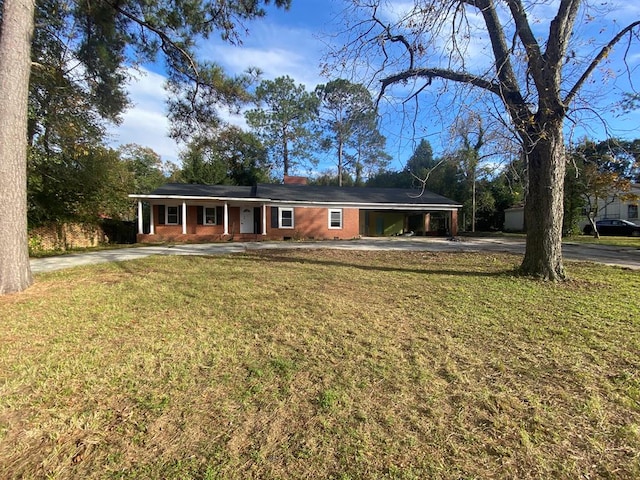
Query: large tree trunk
[[340, 153], [285, 153], [15, 66], [544, 205]]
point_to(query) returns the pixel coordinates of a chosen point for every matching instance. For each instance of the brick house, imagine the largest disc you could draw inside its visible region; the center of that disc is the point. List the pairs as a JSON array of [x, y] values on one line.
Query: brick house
[[294, 210]]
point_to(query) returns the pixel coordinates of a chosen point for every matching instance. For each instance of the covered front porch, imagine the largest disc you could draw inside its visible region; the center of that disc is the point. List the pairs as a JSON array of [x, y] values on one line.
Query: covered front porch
[[201, 221]]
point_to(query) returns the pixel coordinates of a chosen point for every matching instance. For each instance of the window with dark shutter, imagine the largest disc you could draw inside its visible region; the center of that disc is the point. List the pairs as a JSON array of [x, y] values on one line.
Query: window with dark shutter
[[161, 219], [209, 215], [274, 217], [173, 215], [219, 215], [257, 220], [200, 215], [286, 218]]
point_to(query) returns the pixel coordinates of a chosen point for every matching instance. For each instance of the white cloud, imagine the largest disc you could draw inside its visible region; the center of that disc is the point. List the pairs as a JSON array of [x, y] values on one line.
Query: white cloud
[[395, 11], [147, 86], [145, 122], [273, 62], [274, 48], [292, 47]]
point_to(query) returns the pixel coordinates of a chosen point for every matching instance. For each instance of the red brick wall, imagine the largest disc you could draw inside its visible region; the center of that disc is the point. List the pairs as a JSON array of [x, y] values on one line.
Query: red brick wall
[[313, 223], [192, 223], [292, 180], [168, 231], [309, 223], [454, 223], [64, 236], [198, 233]]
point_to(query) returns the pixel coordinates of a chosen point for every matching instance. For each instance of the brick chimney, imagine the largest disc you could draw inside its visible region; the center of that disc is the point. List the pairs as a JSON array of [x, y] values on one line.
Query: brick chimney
[[291, 180]]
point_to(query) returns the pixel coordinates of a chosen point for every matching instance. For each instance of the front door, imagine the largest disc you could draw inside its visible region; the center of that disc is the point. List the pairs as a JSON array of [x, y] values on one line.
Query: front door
[[246, 220]]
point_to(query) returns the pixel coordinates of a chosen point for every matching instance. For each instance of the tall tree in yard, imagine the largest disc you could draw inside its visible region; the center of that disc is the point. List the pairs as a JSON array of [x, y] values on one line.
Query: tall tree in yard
[[232, 157], [421, 160], [369, 156], [283, 121], [535, 72], [346, 111], [146, 166], [471, 136], [111, 34], [15, 67]]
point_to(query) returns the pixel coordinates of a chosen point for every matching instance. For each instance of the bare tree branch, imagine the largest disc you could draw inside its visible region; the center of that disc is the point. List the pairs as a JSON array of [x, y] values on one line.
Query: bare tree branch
[[394, 38], [503, 66], [524, 33], [431, 73], [424, 180], [596, 61], [166, 40]]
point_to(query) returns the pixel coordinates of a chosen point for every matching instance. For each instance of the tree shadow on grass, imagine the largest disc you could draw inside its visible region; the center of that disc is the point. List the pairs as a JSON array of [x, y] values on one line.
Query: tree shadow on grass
[[293, 257], [433, 269]]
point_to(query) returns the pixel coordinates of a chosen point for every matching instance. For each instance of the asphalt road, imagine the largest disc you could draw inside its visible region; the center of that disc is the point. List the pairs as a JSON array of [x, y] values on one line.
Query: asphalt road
[[615, 256]]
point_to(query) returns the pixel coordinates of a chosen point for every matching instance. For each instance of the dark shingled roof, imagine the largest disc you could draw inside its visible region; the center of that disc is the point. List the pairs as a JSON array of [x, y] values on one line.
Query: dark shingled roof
[[194, 190], [319, 193], [307, 193]]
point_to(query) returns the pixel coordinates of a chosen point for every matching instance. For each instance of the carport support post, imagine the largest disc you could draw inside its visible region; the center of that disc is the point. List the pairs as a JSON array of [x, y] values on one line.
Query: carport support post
[[427, 223], [140, 232], [152, 223], [454, 223]]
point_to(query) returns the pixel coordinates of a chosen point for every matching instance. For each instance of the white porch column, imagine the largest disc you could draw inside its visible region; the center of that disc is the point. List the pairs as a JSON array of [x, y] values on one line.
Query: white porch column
[[264, 219], [226, 218], [184, 218], [140, 228], [152, 223]]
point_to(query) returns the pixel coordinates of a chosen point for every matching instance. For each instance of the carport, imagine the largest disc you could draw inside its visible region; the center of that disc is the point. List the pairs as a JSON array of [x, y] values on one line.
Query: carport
[[387, 223]]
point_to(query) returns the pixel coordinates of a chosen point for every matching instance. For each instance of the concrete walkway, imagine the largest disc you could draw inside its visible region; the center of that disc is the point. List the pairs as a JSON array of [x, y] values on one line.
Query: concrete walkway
[[615, 256]]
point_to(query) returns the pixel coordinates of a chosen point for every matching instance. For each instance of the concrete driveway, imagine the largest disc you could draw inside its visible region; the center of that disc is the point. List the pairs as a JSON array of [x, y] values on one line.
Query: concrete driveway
[[615, 256]]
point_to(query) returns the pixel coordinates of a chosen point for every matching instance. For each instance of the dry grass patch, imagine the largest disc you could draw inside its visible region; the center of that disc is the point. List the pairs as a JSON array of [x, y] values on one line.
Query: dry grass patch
[[321, 364]]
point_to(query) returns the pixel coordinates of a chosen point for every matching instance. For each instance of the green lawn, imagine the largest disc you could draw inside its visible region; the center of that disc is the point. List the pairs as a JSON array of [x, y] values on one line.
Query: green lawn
[[633, 242], [321, 364]]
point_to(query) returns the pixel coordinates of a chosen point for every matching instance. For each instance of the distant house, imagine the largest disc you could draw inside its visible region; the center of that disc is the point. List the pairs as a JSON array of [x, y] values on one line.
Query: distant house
[[611, 208], [294, 210], [617, 209], [514, 219]]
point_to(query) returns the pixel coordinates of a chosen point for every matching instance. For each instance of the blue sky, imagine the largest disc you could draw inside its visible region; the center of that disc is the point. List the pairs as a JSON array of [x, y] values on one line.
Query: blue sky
[[282, 43], [293, 43]]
